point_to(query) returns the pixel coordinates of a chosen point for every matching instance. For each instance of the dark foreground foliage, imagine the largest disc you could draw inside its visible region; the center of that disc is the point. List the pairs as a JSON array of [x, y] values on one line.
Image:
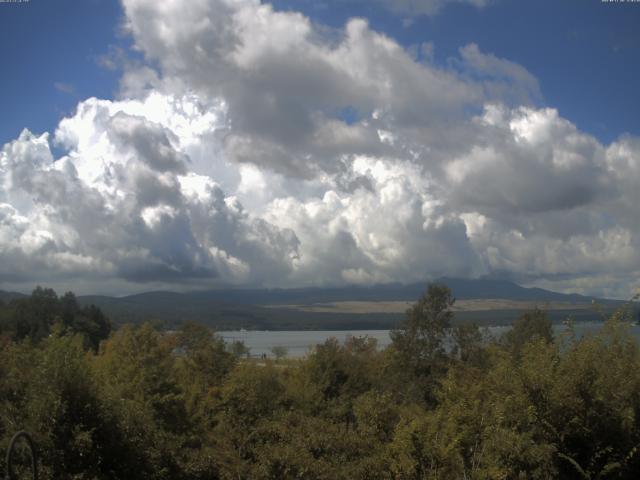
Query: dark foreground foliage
[[439, 403]]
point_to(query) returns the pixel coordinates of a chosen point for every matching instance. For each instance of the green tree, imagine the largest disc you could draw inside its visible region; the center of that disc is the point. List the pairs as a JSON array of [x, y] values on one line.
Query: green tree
[[249, 397], [137, 374], [418, 343], [34, 317], [344, 371], [239, 349], [469, 344], [202, 363], [529, 326], [279, 352], [50, 391]]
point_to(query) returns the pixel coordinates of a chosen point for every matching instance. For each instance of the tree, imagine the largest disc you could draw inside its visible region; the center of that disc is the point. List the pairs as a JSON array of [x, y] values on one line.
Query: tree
[[279, 351], [239, 349], [205, 354], [468, 344], [342, 371], [418, 343], [34, 317], [420, 337], [201, 370], [48, 389], [530, 326]]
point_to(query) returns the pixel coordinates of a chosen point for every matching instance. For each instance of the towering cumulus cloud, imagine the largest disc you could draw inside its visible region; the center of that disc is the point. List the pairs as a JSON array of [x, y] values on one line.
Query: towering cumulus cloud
[[124, 203], [254, 147]]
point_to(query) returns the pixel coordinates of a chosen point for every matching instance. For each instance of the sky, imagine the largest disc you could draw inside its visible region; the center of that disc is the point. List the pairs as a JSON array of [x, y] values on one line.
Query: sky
[[213, 143]]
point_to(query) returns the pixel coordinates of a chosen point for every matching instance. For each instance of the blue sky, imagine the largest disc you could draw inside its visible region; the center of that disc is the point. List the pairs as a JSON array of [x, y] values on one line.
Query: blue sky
[[49, 43], [584, 53]]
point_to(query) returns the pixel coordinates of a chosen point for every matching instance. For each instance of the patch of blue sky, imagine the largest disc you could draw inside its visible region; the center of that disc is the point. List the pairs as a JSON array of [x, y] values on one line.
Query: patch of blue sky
[[50, 52], [584, 53]]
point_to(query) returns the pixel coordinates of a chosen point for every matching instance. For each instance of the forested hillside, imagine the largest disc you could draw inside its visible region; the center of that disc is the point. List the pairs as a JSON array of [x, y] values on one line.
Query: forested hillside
[[441, 402], [271, 309]]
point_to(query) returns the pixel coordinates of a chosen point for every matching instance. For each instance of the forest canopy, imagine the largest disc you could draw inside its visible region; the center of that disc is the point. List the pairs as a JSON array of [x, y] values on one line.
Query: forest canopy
[[441, 402]]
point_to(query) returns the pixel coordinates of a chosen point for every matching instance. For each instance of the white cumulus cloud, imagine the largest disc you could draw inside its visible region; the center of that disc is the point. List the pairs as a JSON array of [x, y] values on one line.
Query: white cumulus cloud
[[255, 147]]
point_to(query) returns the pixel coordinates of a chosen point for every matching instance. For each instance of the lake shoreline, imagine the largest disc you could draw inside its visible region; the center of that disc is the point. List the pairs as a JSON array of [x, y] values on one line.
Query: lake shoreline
[[300, 342]]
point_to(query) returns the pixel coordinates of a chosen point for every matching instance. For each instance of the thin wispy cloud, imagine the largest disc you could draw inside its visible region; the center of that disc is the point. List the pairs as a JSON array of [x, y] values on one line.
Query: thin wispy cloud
[[65, 88]]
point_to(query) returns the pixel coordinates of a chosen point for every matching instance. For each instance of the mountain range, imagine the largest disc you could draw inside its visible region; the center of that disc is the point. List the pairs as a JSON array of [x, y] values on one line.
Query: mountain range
[[284, 308]]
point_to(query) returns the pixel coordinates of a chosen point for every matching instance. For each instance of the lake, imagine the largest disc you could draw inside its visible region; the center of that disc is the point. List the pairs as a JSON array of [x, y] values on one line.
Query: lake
[[299, 342]]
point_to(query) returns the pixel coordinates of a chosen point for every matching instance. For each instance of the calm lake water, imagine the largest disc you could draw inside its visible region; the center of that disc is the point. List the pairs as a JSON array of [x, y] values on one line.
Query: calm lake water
[[300, 342]]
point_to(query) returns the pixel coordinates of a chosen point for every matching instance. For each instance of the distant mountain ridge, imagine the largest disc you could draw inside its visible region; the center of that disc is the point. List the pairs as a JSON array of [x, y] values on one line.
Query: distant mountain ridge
[[259, 308], [8, 296], [463, 289]]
